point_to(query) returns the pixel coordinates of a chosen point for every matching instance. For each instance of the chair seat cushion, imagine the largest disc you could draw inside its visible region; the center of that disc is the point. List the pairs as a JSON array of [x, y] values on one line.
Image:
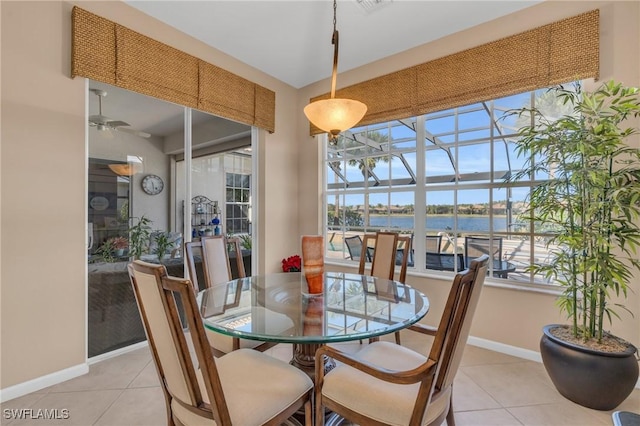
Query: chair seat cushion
[[257, 387], [385, 402]]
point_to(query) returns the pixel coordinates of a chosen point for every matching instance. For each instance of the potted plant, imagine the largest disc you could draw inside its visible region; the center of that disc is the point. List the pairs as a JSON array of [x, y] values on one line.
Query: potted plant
[[106, 251], [139, 237], [120, 244], [163, 244], [590, 204]]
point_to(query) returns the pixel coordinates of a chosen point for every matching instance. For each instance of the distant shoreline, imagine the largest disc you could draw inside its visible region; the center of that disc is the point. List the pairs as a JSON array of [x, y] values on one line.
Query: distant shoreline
[[437, 215]]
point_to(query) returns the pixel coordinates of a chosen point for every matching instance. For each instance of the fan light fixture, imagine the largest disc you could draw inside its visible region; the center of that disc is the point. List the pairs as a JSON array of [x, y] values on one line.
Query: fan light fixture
[[335, 115]]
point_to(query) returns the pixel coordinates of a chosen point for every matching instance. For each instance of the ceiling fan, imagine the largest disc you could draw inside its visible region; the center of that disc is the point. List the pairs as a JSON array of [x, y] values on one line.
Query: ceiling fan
[[107, 125]]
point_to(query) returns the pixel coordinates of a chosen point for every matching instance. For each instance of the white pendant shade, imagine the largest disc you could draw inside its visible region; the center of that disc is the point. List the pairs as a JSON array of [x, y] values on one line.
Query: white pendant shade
[[335, 115]]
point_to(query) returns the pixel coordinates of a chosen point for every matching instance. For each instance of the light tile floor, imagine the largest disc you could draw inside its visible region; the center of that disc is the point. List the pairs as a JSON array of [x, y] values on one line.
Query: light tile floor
[[490, 389]]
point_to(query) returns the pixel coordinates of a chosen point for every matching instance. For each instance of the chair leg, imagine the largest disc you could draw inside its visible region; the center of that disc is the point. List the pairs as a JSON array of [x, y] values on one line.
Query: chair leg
[[450, 419], [308, 414], [319, 412], [397, 335]]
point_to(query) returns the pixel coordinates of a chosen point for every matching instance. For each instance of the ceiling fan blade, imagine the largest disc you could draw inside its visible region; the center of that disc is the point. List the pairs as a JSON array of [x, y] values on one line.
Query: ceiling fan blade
[[98, 119], [117, 123], [133, 132]]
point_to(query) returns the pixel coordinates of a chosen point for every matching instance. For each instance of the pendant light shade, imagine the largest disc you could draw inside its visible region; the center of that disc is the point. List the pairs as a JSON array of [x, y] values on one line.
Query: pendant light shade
[[335, 115]]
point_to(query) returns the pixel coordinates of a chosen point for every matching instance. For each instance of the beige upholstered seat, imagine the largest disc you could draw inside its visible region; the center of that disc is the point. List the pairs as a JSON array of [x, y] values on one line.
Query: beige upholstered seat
[[216, 269], [243, 387], [387, 384]]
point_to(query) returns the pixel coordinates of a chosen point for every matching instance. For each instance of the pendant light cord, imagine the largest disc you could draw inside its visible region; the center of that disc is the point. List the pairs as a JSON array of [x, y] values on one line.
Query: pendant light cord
[[334, 41]]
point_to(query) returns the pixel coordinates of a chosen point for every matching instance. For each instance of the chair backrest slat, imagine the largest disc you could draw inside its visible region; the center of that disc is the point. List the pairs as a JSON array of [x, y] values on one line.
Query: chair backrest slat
[[389, 250], [216, 264]]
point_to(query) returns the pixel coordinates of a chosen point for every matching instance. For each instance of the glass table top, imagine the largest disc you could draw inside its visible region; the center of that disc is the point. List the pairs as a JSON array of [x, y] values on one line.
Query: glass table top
[[274, 308]]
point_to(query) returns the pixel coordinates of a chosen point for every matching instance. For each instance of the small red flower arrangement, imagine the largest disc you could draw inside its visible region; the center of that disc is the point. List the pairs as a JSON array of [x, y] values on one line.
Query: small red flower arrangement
[[292, 264]]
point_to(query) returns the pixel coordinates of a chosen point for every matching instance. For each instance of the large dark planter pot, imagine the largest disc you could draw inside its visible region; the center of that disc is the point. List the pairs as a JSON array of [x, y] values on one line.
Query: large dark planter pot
[[591, 378]]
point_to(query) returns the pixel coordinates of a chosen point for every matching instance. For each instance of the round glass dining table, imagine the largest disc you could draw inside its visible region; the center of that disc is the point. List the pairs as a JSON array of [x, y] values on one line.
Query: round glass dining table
[[277, 308]]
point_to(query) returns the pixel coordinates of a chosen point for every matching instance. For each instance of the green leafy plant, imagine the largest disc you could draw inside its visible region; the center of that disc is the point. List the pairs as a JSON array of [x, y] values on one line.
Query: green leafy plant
[[591, 200], [139, 237], [163, 244], [245, 241], [106, 251]]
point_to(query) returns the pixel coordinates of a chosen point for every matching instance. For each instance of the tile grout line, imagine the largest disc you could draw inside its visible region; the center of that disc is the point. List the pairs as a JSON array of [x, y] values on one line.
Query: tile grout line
[[108, 407]]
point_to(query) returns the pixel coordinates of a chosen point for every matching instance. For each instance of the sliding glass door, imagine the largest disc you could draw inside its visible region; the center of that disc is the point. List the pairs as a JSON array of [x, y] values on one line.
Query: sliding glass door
[[143, 204]]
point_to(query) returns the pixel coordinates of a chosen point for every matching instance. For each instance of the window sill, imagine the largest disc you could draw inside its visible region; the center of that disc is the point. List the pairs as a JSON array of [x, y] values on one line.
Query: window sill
[[489, 282]]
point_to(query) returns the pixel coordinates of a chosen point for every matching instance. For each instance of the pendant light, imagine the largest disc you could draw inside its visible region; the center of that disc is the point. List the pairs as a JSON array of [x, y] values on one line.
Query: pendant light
[[335, 115]]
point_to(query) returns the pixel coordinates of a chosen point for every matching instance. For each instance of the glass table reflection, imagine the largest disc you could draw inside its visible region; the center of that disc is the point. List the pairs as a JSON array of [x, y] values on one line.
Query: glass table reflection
[[276, 308]]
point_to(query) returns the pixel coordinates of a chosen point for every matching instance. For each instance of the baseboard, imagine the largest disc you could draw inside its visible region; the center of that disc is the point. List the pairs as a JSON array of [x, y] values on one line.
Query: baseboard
[[511, 350], [117, 352], [505, 349], [36, 384], [42, 382]]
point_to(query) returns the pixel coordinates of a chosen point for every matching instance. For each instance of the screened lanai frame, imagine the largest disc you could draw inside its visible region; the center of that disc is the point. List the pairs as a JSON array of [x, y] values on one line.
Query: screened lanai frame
[[449, 166]]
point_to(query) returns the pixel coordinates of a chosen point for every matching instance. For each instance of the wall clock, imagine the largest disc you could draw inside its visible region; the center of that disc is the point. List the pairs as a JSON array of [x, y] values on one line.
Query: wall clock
[[152, 184]]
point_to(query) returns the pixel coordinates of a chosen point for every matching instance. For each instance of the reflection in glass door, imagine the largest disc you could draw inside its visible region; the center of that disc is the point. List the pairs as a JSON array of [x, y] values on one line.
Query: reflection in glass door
[[140, 204], [129, 200]]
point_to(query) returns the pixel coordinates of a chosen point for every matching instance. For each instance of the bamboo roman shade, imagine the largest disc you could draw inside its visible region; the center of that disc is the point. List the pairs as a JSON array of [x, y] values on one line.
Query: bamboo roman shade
[[555, 53], [105, 51]]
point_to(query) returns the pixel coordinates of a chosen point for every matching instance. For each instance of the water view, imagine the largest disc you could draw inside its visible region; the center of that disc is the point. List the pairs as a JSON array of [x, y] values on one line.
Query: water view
[[441, 223]]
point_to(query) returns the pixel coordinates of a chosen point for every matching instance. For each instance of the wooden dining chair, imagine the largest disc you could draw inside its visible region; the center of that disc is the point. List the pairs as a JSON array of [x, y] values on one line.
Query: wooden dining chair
[[388, 384], [243, 387], [216, 270], [386, 249], [386, 246]]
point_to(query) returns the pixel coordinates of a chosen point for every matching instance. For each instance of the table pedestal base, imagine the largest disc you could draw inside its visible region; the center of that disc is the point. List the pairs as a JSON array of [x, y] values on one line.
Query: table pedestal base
[[304, 358]]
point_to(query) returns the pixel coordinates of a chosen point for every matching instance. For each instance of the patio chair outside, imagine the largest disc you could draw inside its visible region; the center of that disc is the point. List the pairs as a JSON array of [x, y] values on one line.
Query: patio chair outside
[[445, 261], [475, 247], [354, 246], [433, 243]]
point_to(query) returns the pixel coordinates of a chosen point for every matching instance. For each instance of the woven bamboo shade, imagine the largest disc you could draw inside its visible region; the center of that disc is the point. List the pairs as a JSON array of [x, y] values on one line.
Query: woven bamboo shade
[[93, 47], [216, 83], [105, 51], [147, 66], [555, 53], [265, 109]]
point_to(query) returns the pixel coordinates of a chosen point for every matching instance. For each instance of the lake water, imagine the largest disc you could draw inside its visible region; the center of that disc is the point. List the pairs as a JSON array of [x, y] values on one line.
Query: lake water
[[441, 223]]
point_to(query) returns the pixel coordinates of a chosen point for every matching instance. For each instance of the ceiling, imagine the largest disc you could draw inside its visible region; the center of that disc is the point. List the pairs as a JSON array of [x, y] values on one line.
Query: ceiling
[[291, 40]]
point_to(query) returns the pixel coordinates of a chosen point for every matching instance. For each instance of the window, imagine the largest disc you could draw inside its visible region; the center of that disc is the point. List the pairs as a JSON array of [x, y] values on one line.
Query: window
[[238, 203], [441, 178]]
